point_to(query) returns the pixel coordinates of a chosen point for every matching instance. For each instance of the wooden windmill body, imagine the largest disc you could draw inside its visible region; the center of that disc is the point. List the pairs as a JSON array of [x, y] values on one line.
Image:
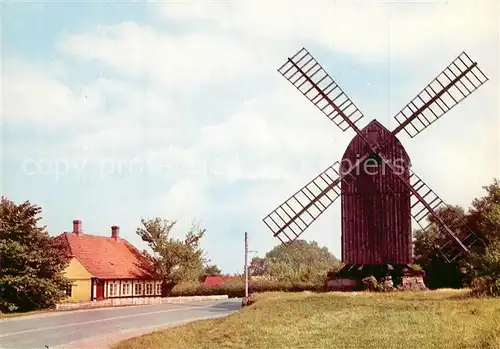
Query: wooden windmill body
[[380, 193], [376, 221]]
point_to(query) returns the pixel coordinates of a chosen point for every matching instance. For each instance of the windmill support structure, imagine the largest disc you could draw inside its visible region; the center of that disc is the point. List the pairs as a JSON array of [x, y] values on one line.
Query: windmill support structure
[[377, 208], [401, 276]]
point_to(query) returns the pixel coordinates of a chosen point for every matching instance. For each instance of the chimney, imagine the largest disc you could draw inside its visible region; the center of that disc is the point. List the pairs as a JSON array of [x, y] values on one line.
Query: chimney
[[115, 232], [77, 227]]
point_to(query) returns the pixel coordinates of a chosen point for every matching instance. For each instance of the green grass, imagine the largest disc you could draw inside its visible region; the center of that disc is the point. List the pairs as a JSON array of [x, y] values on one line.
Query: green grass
[[410, 320]]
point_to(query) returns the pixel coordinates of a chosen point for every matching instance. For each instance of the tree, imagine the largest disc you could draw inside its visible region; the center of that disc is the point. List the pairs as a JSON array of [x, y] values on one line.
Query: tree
[[257, 266], [427, 243], [484, 215], [487, 270], [173, 260], [31, 276], [212, 270], [300, 261], [483, 218], [440, 273]]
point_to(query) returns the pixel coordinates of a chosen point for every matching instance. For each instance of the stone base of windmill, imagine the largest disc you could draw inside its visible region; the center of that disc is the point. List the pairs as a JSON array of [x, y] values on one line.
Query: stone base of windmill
[[412, 280], [376, 277]]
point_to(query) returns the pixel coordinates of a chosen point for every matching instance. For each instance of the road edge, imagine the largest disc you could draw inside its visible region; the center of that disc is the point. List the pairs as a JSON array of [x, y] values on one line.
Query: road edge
[[168, 300]]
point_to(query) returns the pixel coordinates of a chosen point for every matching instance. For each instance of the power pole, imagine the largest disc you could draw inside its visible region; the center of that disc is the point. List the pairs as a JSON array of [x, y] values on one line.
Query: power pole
[[246, 264]]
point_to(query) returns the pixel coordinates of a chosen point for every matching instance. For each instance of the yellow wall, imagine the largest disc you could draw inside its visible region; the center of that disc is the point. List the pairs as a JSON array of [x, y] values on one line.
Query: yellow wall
[[82, 285]]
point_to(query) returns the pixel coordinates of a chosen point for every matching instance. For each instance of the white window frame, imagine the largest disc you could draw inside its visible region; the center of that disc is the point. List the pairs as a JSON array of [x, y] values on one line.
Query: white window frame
[[113, 289], [138, 285], [149, 288], [158, 288], [126, 289]]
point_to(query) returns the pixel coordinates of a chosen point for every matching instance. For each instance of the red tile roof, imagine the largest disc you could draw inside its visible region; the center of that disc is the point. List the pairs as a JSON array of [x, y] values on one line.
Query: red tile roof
[[213, 281], [107, 258]]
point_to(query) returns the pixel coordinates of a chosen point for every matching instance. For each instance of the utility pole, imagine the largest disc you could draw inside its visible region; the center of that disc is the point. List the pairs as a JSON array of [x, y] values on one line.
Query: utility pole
[[246, 264]]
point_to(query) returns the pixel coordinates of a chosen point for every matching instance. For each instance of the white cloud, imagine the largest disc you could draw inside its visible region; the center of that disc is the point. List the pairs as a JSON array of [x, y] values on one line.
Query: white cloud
[[135, 103], [368, 30], [272, 135], [33, 94], [186, 197], [181, 61]]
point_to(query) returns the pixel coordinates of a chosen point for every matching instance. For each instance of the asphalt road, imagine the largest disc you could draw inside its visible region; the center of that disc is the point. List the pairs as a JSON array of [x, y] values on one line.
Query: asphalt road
[[60, 329]]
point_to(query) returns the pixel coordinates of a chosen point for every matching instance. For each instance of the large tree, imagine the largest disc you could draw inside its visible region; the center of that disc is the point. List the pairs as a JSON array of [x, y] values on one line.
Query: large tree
[[483, 218], [487, 270], [300, 261], [427, 243], [257, 267], [32, 262], [174, 260], [484, 215]]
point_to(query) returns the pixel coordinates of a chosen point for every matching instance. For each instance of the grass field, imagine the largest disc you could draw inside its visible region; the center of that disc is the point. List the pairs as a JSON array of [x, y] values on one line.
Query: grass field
[[435, 319]]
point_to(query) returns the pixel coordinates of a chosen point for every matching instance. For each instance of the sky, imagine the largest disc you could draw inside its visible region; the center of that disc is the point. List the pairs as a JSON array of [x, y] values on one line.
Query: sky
[[117, 111]]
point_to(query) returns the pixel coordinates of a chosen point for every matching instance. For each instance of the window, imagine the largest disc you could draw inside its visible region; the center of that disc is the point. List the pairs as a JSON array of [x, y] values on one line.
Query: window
[[138, 289], [158, 288], [113, 290], [69, 291], [149, 288], [126, 289]]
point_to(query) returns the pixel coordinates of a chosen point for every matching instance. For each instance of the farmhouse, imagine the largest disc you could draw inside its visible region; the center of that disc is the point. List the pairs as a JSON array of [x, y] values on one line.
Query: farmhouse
[[104, 267]]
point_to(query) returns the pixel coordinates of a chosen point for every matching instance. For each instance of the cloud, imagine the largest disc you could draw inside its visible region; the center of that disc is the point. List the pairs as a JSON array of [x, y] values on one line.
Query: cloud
[[196, 99], [366, 30], [37, 95], [186, 198], [180, 61]]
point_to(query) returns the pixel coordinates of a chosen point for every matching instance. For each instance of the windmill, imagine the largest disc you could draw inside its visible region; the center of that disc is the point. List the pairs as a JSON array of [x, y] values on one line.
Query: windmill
[[377, 207]]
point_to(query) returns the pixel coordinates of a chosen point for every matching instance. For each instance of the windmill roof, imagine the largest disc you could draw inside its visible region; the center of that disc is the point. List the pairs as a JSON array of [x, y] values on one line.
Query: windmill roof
[[375, 123], [106, 257]]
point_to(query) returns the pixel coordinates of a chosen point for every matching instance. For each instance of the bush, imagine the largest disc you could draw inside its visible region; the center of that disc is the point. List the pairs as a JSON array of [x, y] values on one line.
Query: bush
[[481, 287], [247, 301], [487, 282], [236, 288], [370, 283]]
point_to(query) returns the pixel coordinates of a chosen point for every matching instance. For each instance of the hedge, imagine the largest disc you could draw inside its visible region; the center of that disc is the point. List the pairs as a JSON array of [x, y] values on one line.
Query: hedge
[[236, 288]]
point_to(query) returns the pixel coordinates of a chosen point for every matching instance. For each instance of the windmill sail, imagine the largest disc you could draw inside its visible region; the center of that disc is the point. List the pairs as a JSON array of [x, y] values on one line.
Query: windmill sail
[[460, 241], [297, 213], [309, 77], [456, 82]]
